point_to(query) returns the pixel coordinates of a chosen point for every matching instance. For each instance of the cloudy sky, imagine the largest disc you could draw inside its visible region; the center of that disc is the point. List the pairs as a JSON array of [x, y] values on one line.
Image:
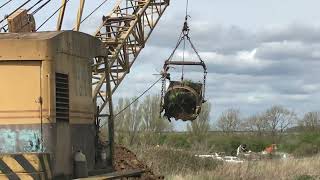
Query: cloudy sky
[[259, 52]]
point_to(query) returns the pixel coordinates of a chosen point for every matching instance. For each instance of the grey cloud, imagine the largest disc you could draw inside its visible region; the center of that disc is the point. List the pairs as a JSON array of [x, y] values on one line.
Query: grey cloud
[[249, 84], [207, 37], [288, 50], [275, 69], [233, 64], [292, 32]]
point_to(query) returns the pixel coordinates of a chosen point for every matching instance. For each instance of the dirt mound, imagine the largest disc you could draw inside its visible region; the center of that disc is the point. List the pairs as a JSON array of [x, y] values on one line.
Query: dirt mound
[[127, 160]]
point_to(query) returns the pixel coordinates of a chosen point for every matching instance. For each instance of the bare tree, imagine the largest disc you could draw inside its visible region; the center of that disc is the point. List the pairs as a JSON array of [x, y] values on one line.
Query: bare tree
[[120, 122], [229, 121], [279, 119], [311, 121], [256, 123], [151, 119], [152, 125], [199, 128], [128, 122], [134, 122]]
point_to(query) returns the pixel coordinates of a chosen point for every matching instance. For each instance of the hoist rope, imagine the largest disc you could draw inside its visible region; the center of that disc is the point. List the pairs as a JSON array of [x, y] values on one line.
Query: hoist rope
[[33, 13], [183, 52], [14, 11], [136, 99], [176, 47], [187, 5], [184, 40], [34, 5], [52, 15], [40, 7], [5, 4], [93, 11], [184, 36]]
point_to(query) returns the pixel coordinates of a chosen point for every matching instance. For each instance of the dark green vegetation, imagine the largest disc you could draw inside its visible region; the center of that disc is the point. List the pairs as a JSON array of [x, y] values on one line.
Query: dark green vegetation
[[170, 153], [141, 124], [300, 144], [182, 164], [166, 160]]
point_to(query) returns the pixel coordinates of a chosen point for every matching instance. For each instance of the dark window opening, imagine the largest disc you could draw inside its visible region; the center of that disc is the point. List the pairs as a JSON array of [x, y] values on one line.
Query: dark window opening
[[62, 97]]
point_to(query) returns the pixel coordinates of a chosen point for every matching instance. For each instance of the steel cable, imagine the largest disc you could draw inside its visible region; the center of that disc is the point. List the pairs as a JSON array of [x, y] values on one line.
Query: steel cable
[[52, 15], [40, 7], [93, 12], [15, 11], [136, 99], [5, 4], [35, 11], [34, 5]]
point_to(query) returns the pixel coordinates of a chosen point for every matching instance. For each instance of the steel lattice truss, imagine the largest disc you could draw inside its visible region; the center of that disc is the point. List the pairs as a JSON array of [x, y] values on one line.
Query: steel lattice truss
[[124, 33]]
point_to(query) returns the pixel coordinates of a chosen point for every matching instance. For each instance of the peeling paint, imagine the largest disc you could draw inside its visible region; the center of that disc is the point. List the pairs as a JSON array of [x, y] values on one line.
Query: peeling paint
[[7, 141], [22, 140]]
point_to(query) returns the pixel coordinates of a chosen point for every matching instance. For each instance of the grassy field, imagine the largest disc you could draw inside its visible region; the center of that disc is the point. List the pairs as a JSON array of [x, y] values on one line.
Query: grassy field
[[180, 165], [301, 169]]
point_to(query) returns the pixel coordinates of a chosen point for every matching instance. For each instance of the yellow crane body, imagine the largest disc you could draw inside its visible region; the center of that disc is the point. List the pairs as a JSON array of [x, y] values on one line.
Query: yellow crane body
[[46, 96], [55, 87]]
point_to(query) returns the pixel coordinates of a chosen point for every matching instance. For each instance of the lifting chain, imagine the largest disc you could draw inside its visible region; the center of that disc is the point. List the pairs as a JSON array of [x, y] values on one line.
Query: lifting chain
[[163, 86], [204, 67], [204, 87], [184, 36]]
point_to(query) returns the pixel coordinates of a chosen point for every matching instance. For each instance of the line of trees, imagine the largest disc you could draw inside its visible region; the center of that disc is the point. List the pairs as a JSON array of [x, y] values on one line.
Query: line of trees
[[141, 123], [276, 119], [274, 122]]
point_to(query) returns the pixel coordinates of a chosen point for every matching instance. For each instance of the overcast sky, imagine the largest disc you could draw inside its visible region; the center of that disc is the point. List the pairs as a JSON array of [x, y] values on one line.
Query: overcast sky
[[259, 52]]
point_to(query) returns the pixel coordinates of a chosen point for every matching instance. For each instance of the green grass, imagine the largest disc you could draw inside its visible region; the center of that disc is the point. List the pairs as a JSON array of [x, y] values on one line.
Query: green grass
[[179, 164], [166, 161]]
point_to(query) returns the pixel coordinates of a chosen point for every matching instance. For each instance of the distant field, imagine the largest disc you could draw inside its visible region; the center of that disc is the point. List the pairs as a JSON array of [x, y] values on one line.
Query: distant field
[[181, 165]]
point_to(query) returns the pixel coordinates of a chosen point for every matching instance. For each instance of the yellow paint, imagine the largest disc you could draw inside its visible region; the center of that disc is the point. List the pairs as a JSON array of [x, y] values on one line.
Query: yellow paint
[[25, 176], [28, 63], [47, 167], [3, 177], [20, 91], [33, 159], [13, 164]]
